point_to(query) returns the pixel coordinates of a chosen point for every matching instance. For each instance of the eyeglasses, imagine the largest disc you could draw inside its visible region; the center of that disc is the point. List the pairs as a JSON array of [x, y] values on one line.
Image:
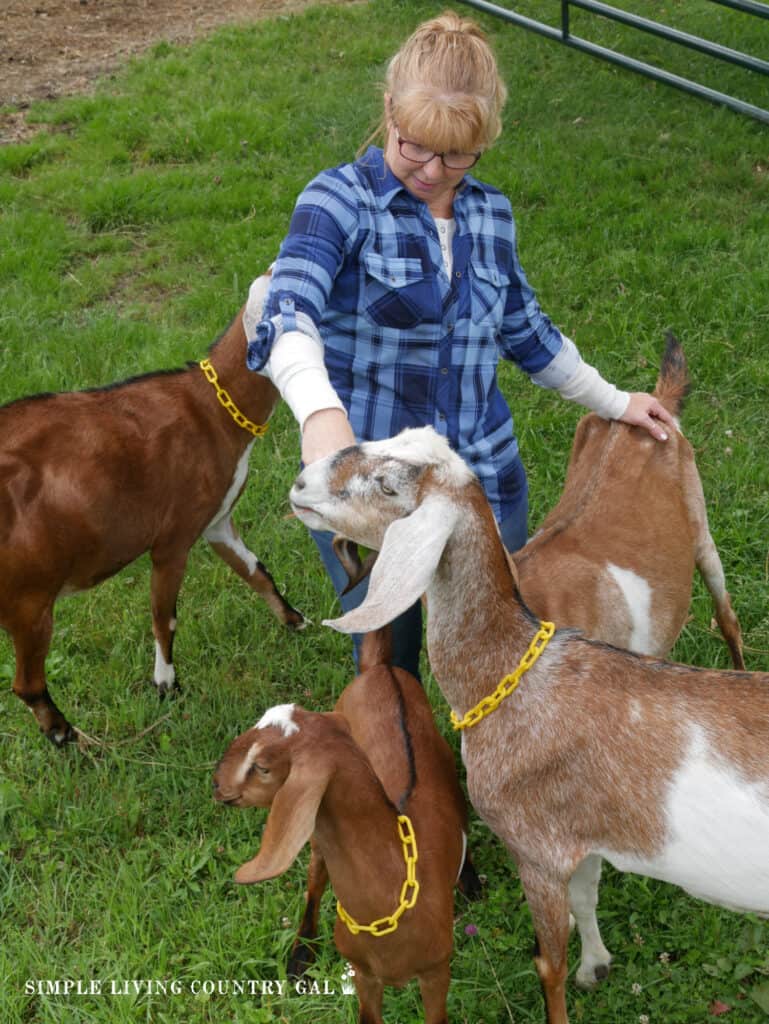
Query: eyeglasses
[[417, 154]]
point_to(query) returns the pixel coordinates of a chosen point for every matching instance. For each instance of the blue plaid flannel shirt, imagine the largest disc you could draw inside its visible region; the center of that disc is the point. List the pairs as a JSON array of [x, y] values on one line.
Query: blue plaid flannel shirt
[[405, 346]]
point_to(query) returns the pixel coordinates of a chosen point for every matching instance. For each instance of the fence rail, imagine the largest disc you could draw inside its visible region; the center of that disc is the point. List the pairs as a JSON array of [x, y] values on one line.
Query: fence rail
[[564, 35]]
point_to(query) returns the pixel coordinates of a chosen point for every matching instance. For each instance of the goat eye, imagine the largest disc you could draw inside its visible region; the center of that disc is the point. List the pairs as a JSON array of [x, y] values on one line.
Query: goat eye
[[385, 488]]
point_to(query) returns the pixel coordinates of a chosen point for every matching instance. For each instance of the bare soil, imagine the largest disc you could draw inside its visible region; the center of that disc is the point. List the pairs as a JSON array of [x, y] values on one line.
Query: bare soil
[[51, 48]]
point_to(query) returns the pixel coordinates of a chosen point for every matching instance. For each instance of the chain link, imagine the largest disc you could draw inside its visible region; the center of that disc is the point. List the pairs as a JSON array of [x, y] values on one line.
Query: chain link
[[509, 683], [257, 429], [409, 889]]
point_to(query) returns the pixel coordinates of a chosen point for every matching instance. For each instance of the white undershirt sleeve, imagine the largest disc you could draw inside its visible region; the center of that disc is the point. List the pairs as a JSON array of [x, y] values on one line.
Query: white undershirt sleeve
[[297, 370], [577, 381]]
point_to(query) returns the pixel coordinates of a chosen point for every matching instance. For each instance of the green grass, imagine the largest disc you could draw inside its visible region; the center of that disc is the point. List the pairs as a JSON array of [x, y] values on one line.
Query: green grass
[[130, 229]]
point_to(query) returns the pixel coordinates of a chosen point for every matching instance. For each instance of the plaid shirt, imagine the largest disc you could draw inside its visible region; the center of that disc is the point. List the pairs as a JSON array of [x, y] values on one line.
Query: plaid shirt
[[405, 346]]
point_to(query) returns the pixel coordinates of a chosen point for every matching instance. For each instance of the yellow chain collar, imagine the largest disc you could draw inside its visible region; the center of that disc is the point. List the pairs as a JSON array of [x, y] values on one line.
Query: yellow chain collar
[[509, 683], [257, 429], [409, 889]]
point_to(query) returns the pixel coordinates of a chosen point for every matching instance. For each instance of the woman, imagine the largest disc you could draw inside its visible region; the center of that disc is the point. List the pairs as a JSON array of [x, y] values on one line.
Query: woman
[[399, 287]]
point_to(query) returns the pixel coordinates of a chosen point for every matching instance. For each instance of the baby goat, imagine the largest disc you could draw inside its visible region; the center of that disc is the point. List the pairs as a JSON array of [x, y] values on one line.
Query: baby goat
[[345, 779], [659, 768], [616, 556], [90, 480]]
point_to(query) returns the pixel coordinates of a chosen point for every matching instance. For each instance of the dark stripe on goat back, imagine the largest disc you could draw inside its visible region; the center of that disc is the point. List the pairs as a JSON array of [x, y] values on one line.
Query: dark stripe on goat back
[[408, 743], [44, 396], [673, 384]]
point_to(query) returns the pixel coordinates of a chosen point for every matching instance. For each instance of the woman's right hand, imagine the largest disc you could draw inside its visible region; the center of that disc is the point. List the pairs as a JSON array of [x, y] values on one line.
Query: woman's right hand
[[324, 432]]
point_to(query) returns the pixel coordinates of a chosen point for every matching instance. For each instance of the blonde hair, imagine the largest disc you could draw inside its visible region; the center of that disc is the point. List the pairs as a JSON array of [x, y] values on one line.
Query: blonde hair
[[444, 87]]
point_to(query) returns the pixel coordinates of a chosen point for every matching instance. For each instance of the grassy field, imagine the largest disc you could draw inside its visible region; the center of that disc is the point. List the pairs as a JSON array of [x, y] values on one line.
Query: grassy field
[[130, 229]]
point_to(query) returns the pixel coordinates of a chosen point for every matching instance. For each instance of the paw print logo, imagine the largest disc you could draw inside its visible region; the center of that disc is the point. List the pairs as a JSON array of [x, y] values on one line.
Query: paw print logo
[[348, 986]]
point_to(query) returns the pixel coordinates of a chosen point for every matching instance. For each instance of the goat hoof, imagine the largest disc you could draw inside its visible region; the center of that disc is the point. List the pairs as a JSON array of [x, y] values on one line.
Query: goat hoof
[[302, 956], [60, 736], [295, 620], [592, 976], [167, 689]]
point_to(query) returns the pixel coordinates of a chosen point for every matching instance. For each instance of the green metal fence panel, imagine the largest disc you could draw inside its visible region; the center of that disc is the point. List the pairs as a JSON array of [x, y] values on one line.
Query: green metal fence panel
[[565, 36]]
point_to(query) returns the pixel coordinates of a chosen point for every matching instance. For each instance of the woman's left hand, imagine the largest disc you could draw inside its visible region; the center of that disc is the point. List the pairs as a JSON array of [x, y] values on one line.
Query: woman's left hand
[[646, 411]]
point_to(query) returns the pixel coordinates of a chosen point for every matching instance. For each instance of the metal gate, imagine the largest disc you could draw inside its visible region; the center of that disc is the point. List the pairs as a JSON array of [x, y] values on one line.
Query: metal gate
[[563, 35]]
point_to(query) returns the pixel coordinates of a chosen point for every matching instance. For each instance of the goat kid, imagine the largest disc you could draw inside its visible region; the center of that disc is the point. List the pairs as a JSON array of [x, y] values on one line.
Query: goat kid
[[343, 780], [617, 554], [659, 768], [90, 480]]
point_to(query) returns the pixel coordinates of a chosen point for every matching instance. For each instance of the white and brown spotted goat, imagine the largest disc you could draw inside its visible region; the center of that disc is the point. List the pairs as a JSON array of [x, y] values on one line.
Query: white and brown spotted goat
[[90, 480], [659, 768], [345, 779]]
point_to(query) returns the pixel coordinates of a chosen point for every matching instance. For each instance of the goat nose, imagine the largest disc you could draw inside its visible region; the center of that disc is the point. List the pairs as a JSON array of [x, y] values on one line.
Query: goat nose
[[299, 483]]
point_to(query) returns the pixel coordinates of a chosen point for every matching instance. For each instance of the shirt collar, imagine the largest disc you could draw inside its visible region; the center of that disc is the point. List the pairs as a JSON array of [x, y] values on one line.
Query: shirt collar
[[386, 187]]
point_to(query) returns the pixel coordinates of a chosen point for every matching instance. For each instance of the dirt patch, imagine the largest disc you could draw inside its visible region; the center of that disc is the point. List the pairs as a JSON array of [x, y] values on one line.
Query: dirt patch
[[51, 48]]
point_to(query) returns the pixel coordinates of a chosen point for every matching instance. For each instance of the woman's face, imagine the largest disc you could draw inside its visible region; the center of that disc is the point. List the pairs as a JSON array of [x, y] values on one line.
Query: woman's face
[[433, 183]]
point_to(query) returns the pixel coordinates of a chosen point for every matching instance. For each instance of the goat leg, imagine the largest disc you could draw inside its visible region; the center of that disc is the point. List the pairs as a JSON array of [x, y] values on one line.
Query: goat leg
[[167, 575], [583, 899], [469, 883], [434, 989], [548, 901], [31, 640], [370, 991], [303, 952], [708, 563], [229, 546]]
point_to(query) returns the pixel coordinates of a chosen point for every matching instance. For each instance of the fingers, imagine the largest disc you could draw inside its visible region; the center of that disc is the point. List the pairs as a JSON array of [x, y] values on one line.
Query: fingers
[[647, 412]]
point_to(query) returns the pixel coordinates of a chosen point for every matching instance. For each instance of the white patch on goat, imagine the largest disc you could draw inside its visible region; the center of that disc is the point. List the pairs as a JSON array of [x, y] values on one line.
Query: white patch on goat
[[223, 532], [248, 760], [462, 858], [638, 598], [164, 675], [636, 712], [717, 832], [282, 717], [423, 446], [238, 479]]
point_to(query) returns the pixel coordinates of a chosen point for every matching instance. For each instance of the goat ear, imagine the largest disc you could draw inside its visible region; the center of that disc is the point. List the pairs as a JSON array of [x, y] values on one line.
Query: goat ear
[[411, 550], [290, 823]]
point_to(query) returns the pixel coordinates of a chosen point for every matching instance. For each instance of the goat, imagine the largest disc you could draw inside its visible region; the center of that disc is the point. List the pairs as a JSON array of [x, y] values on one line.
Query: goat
[[616, 555], [615, 558], [659, 768], [345, 779], [90, 480]]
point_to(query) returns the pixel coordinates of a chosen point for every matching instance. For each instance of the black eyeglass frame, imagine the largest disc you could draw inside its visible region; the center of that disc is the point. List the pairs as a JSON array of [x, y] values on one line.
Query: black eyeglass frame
[[449, 167]]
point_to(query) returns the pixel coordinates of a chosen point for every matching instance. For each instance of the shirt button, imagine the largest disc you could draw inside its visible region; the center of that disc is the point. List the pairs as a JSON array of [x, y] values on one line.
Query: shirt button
[[449, 328], [458, 273], [444, 370]]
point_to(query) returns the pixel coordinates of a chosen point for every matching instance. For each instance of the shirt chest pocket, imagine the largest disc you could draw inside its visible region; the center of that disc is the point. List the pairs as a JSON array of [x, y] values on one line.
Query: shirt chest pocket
[[396, 292], [488, 292]]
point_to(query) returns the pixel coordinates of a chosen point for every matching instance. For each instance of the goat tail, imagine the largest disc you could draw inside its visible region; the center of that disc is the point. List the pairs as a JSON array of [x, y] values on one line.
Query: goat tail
[[673, 383], [375, 648]]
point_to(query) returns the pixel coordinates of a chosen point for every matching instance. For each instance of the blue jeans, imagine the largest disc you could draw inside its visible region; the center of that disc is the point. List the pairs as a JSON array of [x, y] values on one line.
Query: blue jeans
[[407, 628]]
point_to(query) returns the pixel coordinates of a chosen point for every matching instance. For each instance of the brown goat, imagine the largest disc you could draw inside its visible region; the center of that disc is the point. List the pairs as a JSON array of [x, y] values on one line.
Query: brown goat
[[343, 779], [616, 555], [90, 480]]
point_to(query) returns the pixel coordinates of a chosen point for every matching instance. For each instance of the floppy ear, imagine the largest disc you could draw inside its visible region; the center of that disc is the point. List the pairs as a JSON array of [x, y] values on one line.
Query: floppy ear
[[411, 550], [290, 823]]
